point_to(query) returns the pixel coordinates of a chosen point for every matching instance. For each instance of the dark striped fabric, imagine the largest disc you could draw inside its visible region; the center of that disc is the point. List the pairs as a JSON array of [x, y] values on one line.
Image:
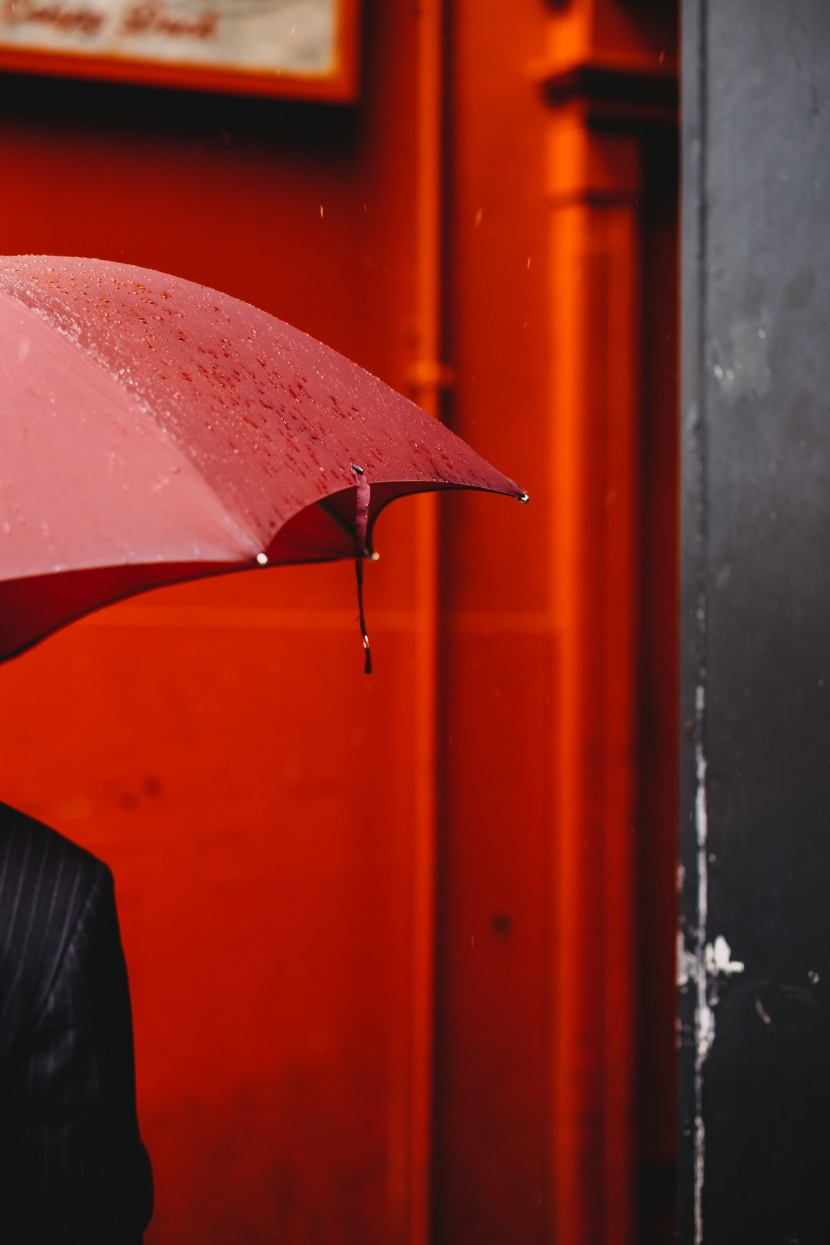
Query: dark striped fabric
[[73, 1170]]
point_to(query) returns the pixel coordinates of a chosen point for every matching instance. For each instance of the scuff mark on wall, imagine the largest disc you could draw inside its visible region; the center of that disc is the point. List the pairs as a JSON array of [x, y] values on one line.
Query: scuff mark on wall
[[743, 367], [762, 1012]]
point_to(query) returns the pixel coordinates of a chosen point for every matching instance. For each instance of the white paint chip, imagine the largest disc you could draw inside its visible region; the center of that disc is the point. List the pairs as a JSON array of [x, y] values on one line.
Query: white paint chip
[[719, 959]]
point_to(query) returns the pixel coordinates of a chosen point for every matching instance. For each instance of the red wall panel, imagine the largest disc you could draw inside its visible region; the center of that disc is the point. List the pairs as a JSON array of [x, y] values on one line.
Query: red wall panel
[[218, 743]]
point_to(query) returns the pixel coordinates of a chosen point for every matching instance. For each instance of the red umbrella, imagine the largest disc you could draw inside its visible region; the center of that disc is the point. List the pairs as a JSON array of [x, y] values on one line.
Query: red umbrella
[[153, 430]]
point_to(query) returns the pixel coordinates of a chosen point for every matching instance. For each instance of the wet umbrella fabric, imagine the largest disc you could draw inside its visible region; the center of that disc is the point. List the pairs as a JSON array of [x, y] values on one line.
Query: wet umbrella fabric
[[153, 431]]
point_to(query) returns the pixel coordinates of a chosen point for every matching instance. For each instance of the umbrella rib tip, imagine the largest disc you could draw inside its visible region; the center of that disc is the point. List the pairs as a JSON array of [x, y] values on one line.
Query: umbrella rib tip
[[524, 498]]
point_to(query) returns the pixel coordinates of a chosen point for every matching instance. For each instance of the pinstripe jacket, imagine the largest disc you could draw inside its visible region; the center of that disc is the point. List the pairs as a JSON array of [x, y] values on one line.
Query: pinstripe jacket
[[73, 1170]]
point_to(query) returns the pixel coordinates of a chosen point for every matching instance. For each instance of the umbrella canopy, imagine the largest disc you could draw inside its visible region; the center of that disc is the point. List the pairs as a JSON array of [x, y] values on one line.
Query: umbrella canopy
[[153, 430]]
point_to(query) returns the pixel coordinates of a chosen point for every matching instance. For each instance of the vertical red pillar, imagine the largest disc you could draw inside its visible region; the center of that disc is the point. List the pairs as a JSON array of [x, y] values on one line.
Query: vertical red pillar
[[609, 81], [558, 627], [594, 282]]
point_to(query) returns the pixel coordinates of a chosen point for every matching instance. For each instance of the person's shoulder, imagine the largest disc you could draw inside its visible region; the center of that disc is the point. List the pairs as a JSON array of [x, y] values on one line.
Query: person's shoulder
[[33, 850], [46, 882], [45, 878]]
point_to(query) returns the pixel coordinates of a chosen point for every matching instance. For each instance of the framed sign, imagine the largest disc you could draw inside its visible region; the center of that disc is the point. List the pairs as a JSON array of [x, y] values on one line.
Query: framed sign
[[300, 48]]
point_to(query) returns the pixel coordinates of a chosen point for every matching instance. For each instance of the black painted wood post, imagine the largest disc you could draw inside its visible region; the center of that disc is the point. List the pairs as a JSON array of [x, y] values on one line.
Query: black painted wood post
[[755, 814]]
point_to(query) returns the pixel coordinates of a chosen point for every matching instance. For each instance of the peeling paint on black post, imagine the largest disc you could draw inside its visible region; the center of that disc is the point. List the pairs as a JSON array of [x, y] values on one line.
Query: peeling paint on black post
[[754, 954], [693, 873]]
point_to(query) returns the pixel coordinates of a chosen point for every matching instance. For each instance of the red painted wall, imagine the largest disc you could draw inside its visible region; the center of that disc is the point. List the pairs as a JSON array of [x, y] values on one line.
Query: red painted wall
[[219, 744], [265, 807]]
